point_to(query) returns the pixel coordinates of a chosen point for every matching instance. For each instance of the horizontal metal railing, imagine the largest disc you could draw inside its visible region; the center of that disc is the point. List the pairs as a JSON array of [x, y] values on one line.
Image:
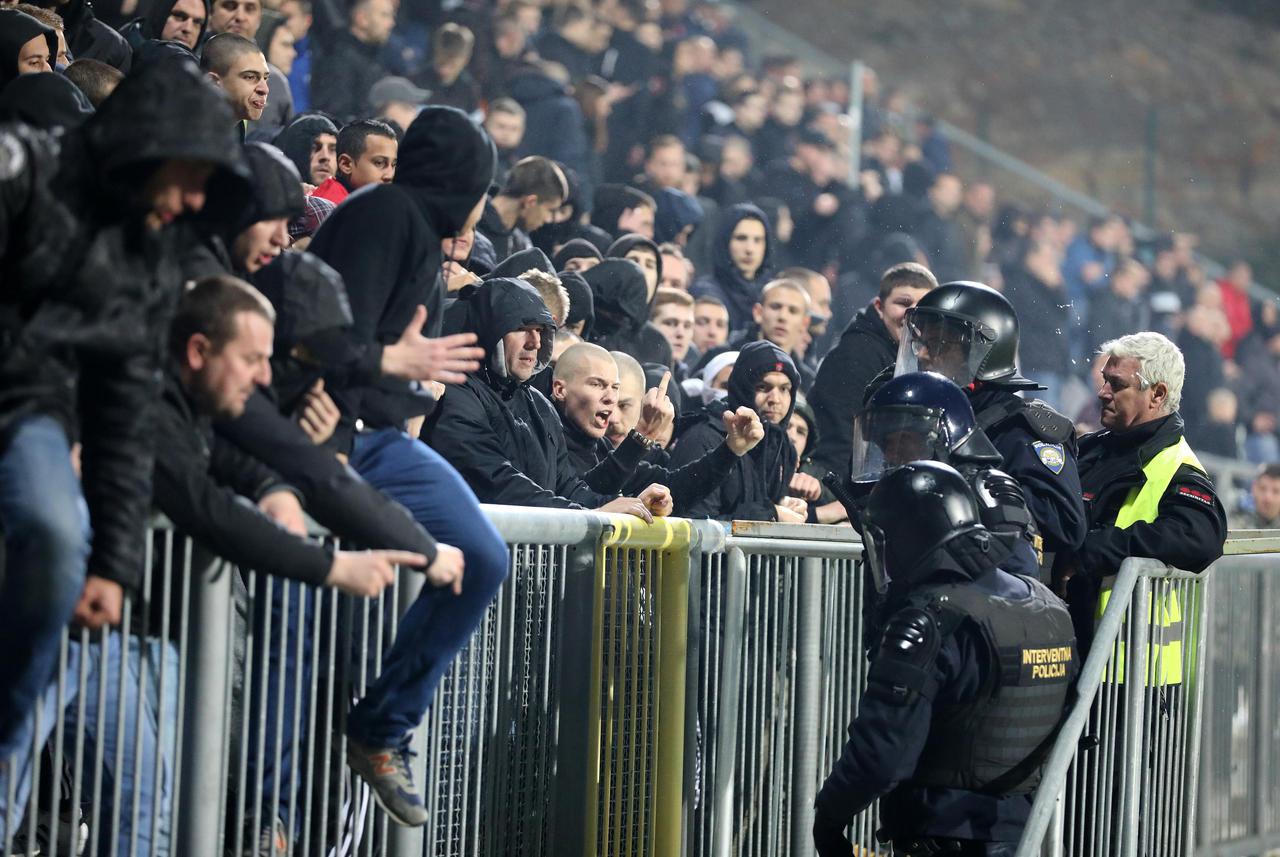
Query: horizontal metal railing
[[633, 690]]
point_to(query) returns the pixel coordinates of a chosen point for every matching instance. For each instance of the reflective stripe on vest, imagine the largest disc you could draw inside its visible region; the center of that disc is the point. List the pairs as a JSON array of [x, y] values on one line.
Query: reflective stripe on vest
[[1164, 653]]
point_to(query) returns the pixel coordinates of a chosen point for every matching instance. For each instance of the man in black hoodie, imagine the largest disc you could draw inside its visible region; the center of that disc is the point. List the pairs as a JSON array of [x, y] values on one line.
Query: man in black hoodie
[[764, 380], [311, 142], [182, 21], [502, 435], [90, 233], [26, 45], [386, 243], [868, 345], [620, 298], [89, 38], [347, 63]]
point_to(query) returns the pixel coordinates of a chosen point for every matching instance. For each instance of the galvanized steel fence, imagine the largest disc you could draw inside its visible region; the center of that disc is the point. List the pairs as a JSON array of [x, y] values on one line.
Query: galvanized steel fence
[[633, 690]]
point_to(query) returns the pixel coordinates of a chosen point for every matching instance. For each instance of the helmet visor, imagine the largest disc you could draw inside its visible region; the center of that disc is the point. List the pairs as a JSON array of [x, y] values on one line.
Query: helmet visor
[[934, 341], [873, 551], [889, 437]]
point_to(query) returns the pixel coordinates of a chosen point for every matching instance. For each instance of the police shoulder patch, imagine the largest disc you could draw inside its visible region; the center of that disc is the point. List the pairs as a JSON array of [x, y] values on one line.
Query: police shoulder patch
[[1051, 455]]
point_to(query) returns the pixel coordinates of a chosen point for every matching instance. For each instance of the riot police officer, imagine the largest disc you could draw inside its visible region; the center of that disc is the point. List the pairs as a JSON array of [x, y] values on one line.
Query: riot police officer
[[922, 415], [966, 689], [969, 333]]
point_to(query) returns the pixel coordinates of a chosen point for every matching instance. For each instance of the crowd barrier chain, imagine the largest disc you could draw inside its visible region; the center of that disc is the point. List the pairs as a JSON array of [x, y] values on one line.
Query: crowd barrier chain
[[633, 691]]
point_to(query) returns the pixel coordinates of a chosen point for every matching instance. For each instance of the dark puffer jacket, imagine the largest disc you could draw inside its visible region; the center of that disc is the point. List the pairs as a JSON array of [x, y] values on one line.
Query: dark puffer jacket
[[501, 434], [91, 289]]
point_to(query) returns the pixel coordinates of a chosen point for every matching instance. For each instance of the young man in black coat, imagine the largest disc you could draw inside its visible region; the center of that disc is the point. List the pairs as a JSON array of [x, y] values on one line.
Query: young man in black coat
[[533, 192], [763, 380], [869, 345], [502, 435], [90, 229]]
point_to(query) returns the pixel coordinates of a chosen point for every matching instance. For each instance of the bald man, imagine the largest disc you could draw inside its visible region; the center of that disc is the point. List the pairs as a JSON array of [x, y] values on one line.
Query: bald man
[[601, 396]]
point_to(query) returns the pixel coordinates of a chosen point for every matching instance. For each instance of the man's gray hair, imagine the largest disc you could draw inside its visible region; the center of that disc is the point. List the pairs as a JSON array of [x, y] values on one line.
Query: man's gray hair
[[1159, 362]]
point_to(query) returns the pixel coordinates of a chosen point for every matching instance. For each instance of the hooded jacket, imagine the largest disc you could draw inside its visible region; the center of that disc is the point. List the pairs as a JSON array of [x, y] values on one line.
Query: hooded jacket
[[89, 38], [759, 479], [725, 281], [45, 101], [864, 350], [676, 211], [575, 248], [626, 243], [621, 302], [150, 26], [16, 29], [92, 289], [385, 242], [297, 138], [501, 434], [582, 305]]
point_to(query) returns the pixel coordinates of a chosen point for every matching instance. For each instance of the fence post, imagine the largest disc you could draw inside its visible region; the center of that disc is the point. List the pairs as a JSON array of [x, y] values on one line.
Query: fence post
[[406, 841], [734, 610], [208, 695], [808, 702], [1135, 679]]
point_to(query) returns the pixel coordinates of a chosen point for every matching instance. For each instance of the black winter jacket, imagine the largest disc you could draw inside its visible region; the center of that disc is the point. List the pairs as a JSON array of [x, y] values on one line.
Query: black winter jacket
[[90, 290], [199, 482], [502, 435], [385, 242], [864, 350], [344, 71]]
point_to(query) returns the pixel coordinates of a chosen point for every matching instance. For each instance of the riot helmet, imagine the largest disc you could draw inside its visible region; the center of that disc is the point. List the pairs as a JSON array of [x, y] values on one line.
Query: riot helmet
[[922, 519], [917, 416], [965, 331]]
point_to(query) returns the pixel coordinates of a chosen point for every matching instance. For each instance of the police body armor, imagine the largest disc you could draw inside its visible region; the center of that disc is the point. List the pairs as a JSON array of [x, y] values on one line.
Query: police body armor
[[996, 743]]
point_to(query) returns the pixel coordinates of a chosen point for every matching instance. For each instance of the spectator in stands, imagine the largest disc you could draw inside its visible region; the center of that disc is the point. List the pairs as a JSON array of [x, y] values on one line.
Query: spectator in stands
[[1265, 492], [347, 65], [122, 180], [236, 66], [710, 324], [619, 210], [1220, 434], [502, 435], [741, 265], [672, 314], [677, 217], [644, 252], [95, 79], [939, 234], [1123, 307], [781, 316], [1167, 274], [973, 227], [778, 136], [1237, 304], [1258, 357], [277, 40], [244, 18], [578, 255], [45, 101], [89, 38], [311, 142], [764, 380], [1089, 261], [621, 302], [53, 21], [386, 244], [447, 77], [1034, 286], [396, 101], [554, 123], [676, 269], [807, 481], [26, 45], [535, 188], [582, 311], [505, 121], [1203, 331], [819, 291], [663, 164], [868, 345], [368, 153], [572, 42]]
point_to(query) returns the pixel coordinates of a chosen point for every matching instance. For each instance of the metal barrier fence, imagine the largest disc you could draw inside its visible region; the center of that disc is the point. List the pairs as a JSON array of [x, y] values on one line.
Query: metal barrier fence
[[633, 690]]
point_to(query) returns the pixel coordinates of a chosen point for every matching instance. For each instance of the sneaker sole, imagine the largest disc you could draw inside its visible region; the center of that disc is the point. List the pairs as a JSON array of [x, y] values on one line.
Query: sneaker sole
[[391, 814]]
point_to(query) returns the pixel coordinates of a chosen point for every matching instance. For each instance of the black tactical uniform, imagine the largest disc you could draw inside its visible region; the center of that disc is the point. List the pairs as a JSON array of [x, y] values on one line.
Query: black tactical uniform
[[966, 689], [969, 332]]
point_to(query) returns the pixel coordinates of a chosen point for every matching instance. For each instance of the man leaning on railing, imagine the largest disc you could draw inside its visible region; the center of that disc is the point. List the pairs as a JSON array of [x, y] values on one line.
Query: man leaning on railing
[[1145, 492]]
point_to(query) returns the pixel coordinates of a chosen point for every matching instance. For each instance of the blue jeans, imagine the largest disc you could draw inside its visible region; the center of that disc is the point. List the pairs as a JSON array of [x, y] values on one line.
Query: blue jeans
[[100, 728], [42, 518], [439, 623]]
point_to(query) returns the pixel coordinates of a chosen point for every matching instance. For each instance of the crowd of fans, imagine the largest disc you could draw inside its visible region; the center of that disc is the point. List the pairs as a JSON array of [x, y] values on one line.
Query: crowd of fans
[[573, 255]]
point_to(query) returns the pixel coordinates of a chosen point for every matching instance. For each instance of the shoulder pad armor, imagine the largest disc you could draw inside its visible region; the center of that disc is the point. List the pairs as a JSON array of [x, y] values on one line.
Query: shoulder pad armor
[[1046, 423], [910, 633], [903, 666]]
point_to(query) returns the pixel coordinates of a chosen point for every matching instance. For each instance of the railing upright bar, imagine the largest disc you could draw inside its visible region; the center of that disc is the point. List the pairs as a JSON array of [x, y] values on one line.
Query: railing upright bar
[[808, 698], [1135, 681], [733, 612]]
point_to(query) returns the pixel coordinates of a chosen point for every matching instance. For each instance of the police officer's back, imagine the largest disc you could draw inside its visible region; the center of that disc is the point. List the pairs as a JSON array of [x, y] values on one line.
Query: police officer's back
[[969, 333], [966, 688]]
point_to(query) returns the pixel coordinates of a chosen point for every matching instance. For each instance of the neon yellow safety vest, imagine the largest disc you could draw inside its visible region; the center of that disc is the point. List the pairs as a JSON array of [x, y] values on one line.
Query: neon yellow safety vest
[[1164, 660]]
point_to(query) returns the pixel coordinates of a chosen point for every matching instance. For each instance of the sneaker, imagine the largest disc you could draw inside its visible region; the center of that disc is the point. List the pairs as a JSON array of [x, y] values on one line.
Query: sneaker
[[386, 770], [270, 841]]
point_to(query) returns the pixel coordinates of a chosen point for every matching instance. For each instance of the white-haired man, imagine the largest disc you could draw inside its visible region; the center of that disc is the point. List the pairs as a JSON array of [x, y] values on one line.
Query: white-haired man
[[1145, 492]]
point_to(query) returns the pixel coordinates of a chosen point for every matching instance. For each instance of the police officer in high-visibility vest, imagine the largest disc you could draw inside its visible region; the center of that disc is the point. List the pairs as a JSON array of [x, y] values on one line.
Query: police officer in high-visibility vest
[[967, 685], [1146, 495]]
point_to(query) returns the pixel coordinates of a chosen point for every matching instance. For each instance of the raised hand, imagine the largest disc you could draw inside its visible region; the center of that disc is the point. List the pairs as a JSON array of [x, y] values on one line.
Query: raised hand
[[743, 430], [414, 357], [656, 411]]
